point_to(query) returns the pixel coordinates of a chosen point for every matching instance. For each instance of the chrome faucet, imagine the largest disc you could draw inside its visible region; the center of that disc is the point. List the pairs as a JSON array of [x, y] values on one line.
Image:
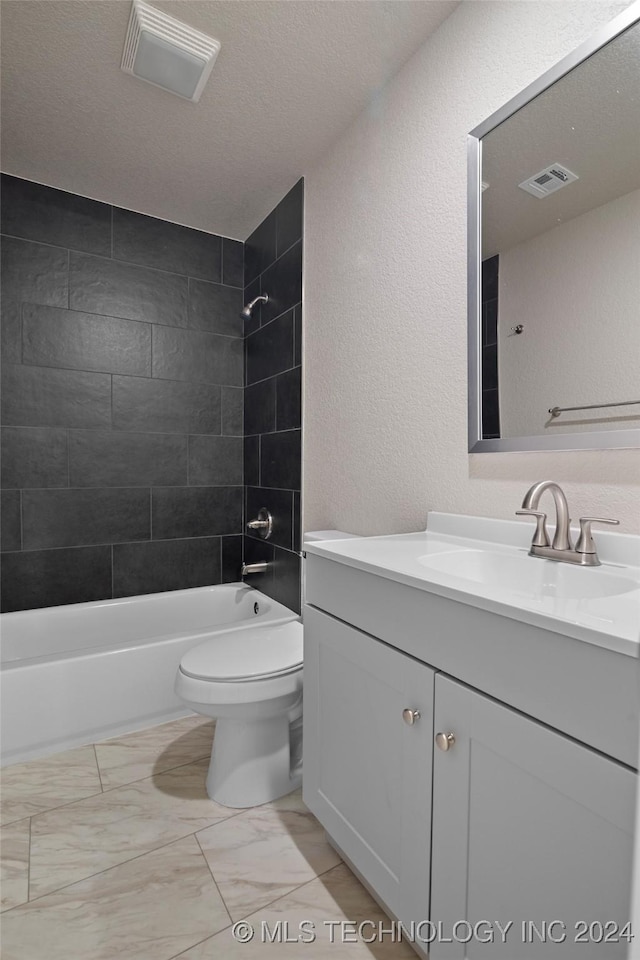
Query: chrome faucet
[[561, 549], [259, 567]]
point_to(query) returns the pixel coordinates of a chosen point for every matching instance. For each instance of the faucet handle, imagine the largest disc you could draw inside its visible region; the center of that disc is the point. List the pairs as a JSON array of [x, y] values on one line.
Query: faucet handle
[[585, 542], [540, 537]]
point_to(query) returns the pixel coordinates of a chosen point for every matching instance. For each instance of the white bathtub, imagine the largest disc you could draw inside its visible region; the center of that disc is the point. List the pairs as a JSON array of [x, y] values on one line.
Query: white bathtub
[[83, 672]]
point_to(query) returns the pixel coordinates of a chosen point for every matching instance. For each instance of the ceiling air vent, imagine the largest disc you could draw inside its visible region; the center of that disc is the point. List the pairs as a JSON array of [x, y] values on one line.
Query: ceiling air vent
[[552, 178], [166, 52]]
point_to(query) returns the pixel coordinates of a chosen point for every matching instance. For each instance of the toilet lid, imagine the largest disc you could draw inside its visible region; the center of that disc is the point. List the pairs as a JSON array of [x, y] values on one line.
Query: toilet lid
[[250, 654]]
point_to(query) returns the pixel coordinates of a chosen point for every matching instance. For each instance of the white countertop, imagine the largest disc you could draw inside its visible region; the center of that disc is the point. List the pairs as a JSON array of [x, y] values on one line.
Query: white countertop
[[612, 621]]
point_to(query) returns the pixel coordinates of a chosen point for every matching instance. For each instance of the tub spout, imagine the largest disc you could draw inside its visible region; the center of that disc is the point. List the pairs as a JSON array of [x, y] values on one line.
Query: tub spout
[[253, 568]]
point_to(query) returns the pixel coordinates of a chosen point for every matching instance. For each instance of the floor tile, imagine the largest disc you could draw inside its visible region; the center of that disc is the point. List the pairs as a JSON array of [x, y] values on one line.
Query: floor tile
[[149, 909], [265, 852], [84, 838], [324, 903], [141, 754], [14, 863], [30, 788]]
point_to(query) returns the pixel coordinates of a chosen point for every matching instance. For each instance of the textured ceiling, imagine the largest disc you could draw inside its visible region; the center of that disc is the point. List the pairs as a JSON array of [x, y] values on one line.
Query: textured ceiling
[[589, 121], [289, 79]]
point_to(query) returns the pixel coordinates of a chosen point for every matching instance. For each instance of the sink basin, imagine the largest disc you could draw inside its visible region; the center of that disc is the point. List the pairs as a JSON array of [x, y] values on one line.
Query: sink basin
[[528, 576]]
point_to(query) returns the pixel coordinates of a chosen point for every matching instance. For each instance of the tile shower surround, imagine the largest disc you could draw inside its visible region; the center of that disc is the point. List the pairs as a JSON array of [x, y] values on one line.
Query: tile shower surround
[[272, 412], [123, 375], [122, 437]]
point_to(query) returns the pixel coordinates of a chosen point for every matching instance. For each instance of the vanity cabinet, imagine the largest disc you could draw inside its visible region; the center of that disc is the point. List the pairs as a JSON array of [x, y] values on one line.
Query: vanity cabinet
[[508, 820], [367, 771], [528, 827]]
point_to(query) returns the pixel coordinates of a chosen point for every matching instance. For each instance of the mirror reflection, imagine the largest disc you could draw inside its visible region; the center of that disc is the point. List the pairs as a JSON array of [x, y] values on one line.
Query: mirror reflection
[[561, 254]]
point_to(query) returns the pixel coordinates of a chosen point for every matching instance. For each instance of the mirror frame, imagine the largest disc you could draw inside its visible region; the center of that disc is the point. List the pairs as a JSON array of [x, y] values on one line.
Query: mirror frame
[[598, 439]]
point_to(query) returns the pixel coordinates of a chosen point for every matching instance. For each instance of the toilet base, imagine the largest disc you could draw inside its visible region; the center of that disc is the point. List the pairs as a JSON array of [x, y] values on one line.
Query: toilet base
[[251, 762]]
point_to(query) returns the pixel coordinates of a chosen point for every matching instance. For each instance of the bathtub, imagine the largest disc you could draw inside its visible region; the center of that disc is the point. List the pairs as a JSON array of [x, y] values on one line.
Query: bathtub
[[75, 674]]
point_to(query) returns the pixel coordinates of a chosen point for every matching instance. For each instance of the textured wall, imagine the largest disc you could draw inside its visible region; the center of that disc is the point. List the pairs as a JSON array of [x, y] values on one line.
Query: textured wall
[[273, 357], [576, 290], [121, 401], [385, 404]]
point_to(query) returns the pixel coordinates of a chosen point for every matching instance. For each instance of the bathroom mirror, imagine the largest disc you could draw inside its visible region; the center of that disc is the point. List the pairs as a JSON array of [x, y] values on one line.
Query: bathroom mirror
[[554, 256]]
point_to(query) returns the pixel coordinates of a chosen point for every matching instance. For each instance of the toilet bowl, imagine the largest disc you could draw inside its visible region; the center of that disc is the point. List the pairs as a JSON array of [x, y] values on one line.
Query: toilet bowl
[[251, 682]]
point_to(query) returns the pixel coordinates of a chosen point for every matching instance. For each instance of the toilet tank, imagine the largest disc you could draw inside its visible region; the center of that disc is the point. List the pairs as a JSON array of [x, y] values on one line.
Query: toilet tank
[[321, 535], [327, 535]]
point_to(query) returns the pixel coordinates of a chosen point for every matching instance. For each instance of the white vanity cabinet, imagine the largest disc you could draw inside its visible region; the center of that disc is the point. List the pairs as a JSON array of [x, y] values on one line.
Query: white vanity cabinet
[[367, 771], [529, 827], [516, 820]]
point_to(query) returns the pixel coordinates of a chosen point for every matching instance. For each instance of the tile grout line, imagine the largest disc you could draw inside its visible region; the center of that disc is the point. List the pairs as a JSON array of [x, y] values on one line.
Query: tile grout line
[[156, 773], [273, 376], [275, 260], [260, 460], [128, 860], [186, 328], [107, 543], [126, 376], [95, 752], [98, 873], [29, 863], [103, 789], [145, 486], [299, 887], [270, 904], [228, 338], [49, 809], [264, 326], [131, 263], [159, 486], [215, 882]]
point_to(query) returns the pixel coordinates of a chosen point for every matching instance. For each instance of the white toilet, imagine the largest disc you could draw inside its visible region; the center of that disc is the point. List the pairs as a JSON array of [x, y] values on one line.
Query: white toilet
[[251, 681]]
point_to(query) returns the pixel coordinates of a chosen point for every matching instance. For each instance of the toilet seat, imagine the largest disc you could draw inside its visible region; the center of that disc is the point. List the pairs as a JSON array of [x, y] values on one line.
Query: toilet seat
[[245, 668], [250, 655], [251, 682]]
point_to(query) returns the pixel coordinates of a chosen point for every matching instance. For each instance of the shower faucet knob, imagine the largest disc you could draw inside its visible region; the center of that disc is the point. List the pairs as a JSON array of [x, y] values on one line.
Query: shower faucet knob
[[263, 525]]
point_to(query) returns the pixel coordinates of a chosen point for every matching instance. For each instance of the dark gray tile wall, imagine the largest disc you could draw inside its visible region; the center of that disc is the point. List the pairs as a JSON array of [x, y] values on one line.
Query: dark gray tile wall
[[272, 409], [122, 394], [490, 394]]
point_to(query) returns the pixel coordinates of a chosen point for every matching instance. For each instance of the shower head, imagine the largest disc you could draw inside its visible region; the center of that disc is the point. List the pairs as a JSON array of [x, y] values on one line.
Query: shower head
[[248, 309]]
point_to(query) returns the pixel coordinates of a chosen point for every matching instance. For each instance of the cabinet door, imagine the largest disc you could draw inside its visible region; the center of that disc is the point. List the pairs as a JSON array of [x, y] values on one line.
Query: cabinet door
[[367, 773], [529, 827]]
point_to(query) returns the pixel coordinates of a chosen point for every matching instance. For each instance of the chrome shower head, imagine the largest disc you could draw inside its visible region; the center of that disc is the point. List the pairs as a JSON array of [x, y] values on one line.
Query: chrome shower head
[[248, 309]]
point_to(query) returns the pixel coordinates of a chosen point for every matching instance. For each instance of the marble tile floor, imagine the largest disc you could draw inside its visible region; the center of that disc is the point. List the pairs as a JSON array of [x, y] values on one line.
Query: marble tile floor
[[114, 850]]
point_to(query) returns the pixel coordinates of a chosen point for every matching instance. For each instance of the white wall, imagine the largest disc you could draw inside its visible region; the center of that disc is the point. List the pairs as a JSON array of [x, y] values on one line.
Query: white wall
[[576, 290], [385, 405]]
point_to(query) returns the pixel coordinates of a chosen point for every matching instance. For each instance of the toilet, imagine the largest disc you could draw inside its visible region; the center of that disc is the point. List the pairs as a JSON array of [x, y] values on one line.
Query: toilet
[[251, 681]]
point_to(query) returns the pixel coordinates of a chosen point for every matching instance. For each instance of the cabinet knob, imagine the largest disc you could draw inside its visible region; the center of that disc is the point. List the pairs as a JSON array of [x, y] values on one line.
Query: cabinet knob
[[444, 741], [410, 716]]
